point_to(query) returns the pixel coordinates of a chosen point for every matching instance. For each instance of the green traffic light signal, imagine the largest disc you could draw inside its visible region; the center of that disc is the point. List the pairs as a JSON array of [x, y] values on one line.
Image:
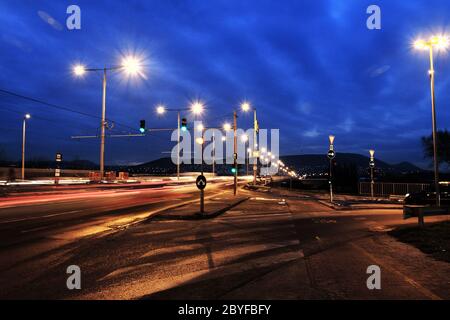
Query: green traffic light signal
[[184, 124], [233, 170], [142, 126]]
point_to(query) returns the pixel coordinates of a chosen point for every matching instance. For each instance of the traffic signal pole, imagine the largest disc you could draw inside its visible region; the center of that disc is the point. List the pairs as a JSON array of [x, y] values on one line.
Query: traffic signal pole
[[255, 146]]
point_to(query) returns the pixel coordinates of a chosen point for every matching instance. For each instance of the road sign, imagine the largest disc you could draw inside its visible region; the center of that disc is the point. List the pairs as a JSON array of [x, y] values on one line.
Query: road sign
[[59, 157], [372, 164], [201, 182], [331, 154], [57, 172]]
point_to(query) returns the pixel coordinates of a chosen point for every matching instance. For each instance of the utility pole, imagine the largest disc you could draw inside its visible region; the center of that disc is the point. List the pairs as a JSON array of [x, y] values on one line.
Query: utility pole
[[178, 147], [235, 151], [214, 154], [255, 146], [433, 114], [103, 129]]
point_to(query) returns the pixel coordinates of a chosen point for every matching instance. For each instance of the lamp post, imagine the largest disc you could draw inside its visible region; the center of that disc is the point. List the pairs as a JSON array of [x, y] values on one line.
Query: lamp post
[[196, 108], [131, 66], [437, 42], [372, 166], [331, 155], [24, 128]]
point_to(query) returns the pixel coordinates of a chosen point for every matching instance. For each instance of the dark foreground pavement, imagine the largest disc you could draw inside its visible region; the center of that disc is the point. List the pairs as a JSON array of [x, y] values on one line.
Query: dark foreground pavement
[[262, 249]]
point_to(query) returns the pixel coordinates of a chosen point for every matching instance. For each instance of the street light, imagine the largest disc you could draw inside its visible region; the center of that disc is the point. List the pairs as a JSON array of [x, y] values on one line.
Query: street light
[[131, 66], [200, 127], [24, 125], [372, 166], [160, 109], [196, 108], [331, 155], [440, 43], [245, 106], [227, 127]]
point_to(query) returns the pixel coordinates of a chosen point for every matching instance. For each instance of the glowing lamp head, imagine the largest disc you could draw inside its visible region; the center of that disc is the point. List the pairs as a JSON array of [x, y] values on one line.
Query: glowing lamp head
[[224, 139], [420, 44], [245, 106], [442, 42], [200, 127], [160, 109], [197, 107], [227, 127], [244, 138], [131, 65], [79, 70], [199, 140], [331, 137], [27, 116], [372, 153]]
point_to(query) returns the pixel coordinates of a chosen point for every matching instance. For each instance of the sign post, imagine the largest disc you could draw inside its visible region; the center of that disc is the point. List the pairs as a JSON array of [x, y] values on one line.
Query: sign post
[[201, 185], [58, 167]]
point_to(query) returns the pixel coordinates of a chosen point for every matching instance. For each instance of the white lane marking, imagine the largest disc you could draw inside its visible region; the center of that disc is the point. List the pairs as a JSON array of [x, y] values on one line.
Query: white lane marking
[[40, 217]]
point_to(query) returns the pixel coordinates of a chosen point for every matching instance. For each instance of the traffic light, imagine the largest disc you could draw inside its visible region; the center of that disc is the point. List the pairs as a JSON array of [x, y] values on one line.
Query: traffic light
[[233, 170], [183, 124], [142, 126]]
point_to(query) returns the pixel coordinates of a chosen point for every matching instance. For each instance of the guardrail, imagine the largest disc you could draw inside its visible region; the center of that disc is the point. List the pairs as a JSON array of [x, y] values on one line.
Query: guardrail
[[385, 189]]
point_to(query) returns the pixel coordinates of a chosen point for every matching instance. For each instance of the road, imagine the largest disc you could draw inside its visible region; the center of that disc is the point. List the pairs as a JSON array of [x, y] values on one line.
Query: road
[[263, 249]]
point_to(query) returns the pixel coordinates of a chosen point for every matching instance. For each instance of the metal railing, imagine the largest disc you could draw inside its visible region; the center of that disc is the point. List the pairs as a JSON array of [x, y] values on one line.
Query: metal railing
[[388, 189]]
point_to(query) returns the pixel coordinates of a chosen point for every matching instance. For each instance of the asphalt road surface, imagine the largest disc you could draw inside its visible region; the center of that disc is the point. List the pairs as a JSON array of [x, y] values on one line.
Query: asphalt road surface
[[264, 248]]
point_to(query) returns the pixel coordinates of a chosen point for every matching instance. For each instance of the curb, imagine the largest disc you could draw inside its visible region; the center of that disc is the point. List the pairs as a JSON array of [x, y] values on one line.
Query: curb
[[198, 216], [347, 208]]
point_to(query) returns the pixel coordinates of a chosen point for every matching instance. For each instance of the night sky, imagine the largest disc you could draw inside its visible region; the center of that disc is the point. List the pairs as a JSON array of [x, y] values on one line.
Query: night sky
[[311, 68]]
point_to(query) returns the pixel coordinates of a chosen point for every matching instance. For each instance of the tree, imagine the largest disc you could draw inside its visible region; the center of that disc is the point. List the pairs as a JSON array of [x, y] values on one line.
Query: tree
[[443, 147]]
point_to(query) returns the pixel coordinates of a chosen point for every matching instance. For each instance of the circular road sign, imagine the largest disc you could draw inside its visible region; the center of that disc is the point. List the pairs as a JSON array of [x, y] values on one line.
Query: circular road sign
[[201, 182], [331, 154]]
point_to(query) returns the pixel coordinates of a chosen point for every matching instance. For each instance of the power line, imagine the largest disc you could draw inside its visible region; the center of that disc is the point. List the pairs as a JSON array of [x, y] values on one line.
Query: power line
[[59, 107]]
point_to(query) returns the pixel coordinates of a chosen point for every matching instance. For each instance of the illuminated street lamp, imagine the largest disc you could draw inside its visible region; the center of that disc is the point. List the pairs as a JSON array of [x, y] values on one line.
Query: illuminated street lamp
[[196, 108], [160, 109], [440, 43], [246, 107], [24, 127], [200, 127], [372, 166], [331, 155], [227, 127], [131, 66]]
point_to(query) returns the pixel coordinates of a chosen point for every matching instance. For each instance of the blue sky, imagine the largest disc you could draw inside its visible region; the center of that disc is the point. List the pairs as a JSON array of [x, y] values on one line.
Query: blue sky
[[311, 68]]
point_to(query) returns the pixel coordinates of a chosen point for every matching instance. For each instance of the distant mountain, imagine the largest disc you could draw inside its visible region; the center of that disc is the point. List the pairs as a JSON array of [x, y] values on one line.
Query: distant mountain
[[316, 163], [311, 163]]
